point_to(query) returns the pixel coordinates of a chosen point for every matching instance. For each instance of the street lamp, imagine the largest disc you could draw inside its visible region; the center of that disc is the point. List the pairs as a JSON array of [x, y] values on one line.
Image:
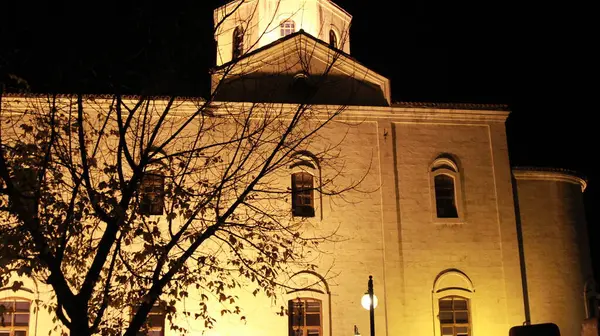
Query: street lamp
[[369, 302]]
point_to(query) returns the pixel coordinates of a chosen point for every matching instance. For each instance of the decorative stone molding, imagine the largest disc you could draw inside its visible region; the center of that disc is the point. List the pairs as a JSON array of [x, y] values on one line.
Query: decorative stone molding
[[549, 174]]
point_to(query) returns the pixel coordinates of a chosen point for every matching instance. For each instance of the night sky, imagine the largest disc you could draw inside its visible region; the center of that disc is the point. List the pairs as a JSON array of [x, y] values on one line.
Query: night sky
[[538, 59]]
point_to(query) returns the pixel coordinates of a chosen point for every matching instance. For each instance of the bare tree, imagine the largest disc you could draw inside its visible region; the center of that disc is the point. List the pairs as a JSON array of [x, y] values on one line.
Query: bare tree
[[123, 203]]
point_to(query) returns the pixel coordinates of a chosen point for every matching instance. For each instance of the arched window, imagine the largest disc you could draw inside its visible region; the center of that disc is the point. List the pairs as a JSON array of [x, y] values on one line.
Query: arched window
[[306, 180], [455, 319], [445, 197], [309, 303], [287, 27], [452, 295], [237, 42], [14, 316], [446, 190], [303, 199], [152, 193], [333, 40]]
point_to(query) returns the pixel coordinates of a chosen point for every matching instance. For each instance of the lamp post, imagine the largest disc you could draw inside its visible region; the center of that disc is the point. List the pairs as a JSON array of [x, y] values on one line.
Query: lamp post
[[369, 301]]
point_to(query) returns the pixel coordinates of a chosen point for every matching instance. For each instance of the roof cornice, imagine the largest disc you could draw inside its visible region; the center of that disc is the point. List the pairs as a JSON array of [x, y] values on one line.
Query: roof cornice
[[549, 174], [253, 61], [473, 113]]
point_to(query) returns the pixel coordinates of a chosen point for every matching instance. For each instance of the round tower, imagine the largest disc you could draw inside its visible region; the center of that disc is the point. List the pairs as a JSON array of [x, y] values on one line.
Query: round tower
[[555, 246]]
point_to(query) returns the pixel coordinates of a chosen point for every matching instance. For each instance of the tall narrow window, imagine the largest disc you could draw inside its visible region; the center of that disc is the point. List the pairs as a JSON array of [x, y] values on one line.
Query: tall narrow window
[[303, 195], [454, 316], [445, 197], [152, 191], [237, 42], [446, 191], [333, 41], [25, 182], [305, 317], [287, 27], [14, 317], [155, 323]]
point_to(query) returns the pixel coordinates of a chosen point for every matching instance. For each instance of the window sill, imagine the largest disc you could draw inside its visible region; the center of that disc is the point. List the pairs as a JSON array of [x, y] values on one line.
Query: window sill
[[448, 221]]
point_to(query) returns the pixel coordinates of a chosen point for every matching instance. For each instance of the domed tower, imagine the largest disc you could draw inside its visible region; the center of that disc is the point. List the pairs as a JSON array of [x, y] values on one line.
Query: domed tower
[[243, 26], [555, 246]]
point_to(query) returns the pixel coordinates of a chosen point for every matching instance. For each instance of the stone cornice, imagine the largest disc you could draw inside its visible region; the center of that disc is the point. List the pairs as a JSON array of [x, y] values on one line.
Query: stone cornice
[[549, 174], [298, 43], [20, 103], [461, 106]]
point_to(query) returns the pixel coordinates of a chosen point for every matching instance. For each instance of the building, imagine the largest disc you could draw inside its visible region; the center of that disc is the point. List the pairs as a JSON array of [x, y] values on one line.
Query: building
[[457, 240]]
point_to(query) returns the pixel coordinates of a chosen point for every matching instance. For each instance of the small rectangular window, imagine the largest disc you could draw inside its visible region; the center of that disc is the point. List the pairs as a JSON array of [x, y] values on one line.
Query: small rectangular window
[[152, 190], [302, 195]]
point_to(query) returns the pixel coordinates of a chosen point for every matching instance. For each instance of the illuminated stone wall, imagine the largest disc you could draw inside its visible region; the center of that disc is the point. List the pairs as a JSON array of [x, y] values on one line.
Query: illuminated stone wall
[[555, 245], [389, 229], [260, 20]]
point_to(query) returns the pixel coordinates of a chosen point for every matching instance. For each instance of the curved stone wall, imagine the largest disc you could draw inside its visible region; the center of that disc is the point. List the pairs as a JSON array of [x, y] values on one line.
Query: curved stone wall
[[555, 245]]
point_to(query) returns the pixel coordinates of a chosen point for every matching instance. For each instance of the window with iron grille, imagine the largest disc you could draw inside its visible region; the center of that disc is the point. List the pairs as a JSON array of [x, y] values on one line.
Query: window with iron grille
[[14, 317], [303, 195], [155, 323], [454, 316], [305, 317], [287, 27], [445, 196], [238, 42], [152, 194]]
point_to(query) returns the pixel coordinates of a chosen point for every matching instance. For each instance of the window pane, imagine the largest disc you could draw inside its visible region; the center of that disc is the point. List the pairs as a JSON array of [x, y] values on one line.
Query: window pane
[[297, 319], [156, 309], [6, 305], [155, 320], [462, 331], [4, 333], [314, 333], [313, 320], [22, 306], [155, 333], [21, 319], [460, 304], [446, 317], [6, 319], [313, 306], [445, 305], [20, 333], [461, 317], [447, 331]]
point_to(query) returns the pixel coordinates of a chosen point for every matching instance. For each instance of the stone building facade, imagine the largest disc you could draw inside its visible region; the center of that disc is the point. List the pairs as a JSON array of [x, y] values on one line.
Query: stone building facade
[[457, 241]]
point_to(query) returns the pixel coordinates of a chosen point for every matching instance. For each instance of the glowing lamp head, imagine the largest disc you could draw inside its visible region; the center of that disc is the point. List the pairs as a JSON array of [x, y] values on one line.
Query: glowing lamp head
[[366, 301]]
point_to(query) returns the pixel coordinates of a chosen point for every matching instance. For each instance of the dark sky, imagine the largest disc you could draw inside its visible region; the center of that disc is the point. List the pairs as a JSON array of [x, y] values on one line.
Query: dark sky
[[540, 59]]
